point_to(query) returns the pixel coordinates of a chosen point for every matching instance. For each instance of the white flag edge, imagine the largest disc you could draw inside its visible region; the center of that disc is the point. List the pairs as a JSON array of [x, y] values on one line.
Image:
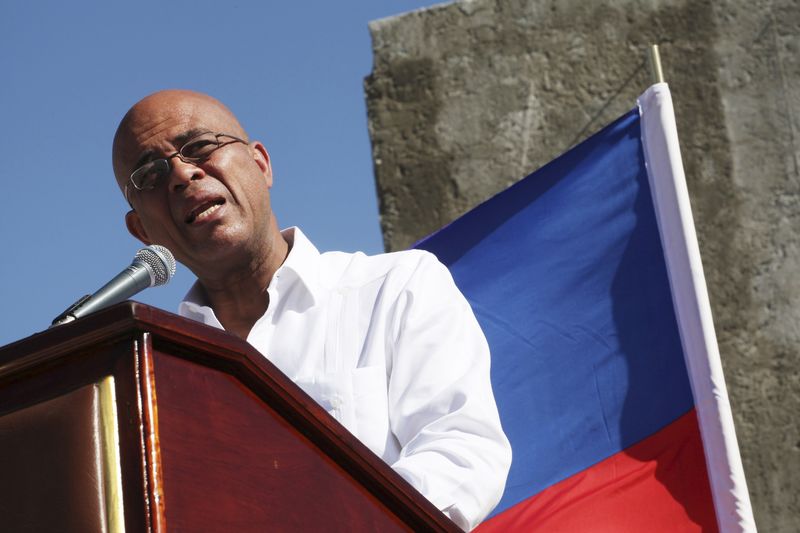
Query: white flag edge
[[693, 309]]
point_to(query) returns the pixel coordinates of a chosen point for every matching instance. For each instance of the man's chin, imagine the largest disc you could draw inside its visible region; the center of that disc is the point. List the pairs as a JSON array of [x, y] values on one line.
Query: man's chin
[[218, 252]]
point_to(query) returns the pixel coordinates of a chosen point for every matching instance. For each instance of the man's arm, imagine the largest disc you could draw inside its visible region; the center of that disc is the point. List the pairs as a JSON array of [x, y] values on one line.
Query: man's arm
[[441, 405]]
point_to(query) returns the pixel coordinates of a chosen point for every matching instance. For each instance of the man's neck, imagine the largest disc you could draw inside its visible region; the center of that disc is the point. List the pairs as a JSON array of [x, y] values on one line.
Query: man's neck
[[240, 298]]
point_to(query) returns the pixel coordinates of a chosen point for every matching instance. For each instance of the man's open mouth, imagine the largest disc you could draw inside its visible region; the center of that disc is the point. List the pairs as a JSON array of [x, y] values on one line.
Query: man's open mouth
[[204, 210]]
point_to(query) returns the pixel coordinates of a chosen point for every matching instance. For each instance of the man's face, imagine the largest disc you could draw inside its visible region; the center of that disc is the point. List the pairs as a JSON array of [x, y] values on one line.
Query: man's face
[[207, 212]]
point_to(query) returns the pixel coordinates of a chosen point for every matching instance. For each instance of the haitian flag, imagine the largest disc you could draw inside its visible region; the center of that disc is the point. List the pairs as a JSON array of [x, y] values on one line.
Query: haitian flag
[[586, 278]]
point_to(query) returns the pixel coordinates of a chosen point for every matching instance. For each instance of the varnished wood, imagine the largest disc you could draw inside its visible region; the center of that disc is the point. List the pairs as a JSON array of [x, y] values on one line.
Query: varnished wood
[[118, 340], [222, 444], [51, 365], [133, 451], [43, 453], [152, 435]]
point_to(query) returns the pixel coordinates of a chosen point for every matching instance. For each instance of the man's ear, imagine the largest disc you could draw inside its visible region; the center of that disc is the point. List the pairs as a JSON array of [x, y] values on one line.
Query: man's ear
[[135, 227], [261, 157]]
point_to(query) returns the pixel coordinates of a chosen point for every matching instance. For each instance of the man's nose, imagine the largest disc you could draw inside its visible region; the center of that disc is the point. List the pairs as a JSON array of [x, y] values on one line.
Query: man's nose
[[182, 173]]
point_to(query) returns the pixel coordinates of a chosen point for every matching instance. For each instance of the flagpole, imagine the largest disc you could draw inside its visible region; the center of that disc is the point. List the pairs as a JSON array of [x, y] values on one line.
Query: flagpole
[[655, 64]]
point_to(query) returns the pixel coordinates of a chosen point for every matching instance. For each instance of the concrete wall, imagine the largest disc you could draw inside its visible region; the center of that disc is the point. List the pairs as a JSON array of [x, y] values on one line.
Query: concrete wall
[[466, 98]]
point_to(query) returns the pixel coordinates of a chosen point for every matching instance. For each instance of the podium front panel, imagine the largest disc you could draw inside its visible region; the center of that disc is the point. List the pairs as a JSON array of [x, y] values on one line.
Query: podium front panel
[[231, 463], [51, 479]]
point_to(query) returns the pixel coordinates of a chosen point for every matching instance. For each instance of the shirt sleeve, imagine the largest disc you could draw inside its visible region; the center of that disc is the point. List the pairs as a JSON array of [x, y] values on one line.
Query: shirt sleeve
[[441, 405]]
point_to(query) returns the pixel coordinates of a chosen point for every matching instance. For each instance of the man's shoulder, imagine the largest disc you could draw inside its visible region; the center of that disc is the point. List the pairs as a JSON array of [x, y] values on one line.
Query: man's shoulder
[[355, 269]]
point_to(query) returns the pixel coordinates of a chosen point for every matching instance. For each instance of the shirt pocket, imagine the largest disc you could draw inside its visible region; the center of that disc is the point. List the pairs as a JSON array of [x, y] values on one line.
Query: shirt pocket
[[333, 393], [371, 407], [358, 399]]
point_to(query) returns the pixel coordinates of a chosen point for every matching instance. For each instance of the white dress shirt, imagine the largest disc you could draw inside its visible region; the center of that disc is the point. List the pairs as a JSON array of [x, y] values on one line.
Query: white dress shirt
[[389, 347]]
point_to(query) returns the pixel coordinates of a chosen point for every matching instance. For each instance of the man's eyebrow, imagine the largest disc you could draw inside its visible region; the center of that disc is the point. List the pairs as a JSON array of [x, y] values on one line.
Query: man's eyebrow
[[146, 157], [179, 140]]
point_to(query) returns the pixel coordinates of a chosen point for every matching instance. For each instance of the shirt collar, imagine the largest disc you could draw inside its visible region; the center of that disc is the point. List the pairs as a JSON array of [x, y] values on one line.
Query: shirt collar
[[302, 264]]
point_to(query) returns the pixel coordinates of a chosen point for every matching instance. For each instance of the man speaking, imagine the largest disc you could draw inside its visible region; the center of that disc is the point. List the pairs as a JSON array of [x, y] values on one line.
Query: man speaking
[[386, 344]]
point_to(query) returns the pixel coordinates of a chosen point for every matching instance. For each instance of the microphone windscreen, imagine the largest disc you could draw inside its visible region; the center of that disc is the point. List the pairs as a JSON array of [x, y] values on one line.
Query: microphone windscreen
[[159, 261]]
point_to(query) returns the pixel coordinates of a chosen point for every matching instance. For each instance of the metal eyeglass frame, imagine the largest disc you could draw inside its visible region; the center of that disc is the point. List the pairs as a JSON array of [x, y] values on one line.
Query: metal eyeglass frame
[[163, 165]]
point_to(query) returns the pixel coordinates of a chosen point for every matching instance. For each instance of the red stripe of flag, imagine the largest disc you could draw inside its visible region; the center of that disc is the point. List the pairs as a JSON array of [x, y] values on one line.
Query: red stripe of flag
[[659, 484]]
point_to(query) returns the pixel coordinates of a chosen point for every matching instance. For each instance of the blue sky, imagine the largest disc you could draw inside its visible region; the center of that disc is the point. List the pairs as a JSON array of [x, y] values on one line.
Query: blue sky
[[292, 71]]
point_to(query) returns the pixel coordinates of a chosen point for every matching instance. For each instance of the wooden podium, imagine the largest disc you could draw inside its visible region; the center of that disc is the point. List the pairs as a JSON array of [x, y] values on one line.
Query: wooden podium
[[135, 419]]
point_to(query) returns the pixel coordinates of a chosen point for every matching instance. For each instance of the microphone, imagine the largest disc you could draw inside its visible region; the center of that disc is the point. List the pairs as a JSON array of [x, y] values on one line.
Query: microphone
[[152, 266]]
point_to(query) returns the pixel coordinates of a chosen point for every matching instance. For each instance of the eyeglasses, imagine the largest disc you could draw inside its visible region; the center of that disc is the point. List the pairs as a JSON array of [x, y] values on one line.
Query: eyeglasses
[[195, 150]]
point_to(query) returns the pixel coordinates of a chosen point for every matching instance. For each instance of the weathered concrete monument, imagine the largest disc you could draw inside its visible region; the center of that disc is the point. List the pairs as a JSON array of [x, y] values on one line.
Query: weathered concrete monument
[[466, 98]]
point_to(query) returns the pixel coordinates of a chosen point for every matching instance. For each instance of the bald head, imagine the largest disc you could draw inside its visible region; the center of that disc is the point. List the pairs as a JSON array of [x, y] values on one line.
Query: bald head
[[166, 112], [213, 212]]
